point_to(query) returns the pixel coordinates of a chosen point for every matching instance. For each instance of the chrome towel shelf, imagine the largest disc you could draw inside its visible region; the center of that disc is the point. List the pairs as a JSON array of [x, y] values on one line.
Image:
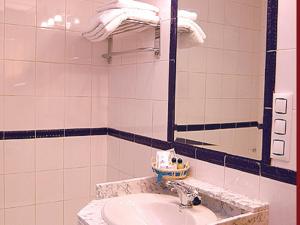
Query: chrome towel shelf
[[128, 26]]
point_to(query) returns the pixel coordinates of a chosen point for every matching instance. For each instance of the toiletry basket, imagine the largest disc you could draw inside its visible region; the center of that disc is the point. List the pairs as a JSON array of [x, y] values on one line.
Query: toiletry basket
[[171, 174]]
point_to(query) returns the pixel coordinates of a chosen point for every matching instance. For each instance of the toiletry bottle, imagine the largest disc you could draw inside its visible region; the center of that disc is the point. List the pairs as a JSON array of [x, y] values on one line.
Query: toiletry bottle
[[180, 164], [173, 163]]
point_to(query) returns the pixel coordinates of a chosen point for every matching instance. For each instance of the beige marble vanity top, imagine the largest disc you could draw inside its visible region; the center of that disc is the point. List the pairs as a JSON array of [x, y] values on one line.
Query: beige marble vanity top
[[230, 208]]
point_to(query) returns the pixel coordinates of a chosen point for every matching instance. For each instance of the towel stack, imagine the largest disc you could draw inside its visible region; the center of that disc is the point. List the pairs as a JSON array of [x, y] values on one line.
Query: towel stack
[[116, 16], [190, 33]]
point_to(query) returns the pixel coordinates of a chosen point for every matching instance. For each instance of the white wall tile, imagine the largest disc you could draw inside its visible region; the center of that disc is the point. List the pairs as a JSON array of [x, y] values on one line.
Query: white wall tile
[[1, 77], [20, 12], [1, 216], [113, 152], [99, 112], [210, 173], [50, 113], [12, 119], [98, 175], [144, 82], [113, 174], [216, 12], [45, 84], [76, 107], [286, 24], [50, 9], [49, 214], [242, 183], [98, 150], [19, 195], [99, 81], [160, 119], [282, 200], [142, 161], [1, 157], [160, 81], [50, 45], [78, 80], [77, 152], [19, 156], [49, 186], [2, 204], [19, 42], [71, 208], [143, 117], [49, 153], [78, 14], [127, 116], [19, 78], [19, 215], [127, 157], [1, 112], [74, 189]]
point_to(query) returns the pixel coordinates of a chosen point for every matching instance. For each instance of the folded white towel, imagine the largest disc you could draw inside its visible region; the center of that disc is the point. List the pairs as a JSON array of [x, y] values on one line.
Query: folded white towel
[[130, 4], [139, 15], [194, 36], [187, 15], [103, 19]]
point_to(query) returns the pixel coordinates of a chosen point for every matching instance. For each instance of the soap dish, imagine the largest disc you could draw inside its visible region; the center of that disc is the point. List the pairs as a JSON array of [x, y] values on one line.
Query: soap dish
[[171, 174]]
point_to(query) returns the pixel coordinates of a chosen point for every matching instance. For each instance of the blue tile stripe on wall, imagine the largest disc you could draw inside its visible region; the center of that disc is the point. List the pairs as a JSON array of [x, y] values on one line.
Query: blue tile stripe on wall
[[30, 134], [204, 154], [216, 126], [172, 71]]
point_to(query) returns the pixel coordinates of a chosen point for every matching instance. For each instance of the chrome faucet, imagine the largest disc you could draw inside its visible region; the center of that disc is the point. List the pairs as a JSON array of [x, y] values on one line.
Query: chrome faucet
[[188, 195]]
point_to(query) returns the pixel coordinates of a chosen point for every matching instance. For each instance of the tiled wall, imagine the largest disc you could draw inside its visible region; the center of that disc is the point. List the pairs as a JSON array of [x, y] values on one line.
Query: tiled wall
[[50, 78], [138, 98], [225, 74]]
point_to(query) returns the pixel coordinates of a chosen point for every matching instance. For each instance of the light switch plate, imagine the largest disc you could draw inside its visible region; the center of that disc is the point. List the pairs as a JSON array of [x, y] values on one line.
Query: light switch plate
[[281, 126]]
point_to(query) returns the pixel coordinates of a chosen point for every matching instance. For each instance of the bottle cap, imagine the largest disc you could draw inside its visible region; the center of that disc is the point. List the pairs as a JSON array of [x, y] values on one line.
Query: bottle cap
[[174, 160], [179, 160]]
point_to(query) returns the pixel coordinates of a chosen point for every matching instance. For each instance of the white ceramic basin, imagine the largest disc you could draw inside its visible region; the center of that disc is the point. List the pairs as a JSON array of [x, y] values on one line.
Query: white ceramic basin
[[153, 209]]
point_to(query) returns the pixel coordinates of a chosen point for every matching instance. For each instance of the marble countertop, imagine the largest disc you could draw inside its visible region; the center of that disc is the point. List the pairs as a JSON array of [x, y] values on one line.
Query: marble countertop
[[230, 208]]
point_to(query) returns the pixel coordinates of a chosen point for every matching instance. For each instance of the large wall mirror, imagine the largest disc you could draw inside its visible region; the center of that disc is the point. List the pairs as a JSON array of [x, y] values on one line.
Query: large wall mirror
[[219, 100]]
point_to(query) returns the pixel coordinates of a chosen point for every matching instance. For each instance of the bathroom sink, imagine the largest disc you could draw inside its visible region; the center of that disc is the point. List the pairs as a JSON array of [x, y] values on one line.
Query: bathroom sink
[[153, 209]]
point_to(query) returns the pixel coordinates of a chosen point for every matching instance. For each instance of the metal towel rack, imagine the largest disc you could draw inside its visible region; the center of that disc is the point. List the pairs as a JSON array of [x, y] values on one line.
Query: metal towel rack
[[133, 25]]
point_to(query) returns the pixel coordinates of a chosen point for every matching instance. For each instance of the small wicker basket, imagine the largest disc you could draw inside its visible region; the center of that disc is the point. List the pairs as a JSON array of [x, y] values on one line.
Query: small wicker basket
[[171, 174]]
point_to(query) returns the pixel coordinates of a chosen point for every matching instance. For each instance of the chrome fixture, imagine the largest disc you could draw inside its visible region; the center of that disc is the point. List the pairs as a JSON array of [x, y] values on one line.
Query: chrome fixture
[[188, 195]]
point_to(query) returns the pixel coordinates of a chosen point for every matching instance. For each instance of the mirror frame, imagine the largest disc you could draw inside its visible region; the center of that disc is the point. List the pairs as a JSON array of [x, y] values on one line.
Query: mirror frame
[[258, 167]]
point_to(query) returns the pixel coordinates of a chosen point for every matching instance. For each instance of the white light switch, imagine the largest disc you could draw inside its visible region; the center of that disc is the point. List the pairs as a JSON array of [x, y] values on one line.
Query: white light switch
[[280, 105], [278, 147], [280, 126]]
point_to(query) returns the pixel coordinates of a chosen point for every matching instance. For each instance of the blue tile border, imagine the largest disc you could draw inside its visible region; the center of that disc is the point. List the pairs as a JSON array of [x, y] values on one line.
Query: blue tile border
[[279, 174], [172, 71], [54, 133], [139, 139], [210, 156], [242, 164], [26, 134], [216, 126], [50, 133], [215, 157], [99, 131], [272, 16]]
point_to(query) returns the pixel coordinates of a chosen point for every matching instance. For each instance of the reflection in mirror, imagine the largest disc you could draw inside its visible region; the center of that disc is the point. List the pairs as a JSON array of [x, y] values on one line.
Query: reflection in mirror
[[220, 75]]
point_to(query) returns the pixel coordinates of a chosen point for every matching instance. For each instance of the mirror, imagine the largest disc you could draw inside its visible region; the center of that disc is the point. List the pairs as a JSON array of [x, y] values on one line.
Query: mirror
[[220, 82]]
